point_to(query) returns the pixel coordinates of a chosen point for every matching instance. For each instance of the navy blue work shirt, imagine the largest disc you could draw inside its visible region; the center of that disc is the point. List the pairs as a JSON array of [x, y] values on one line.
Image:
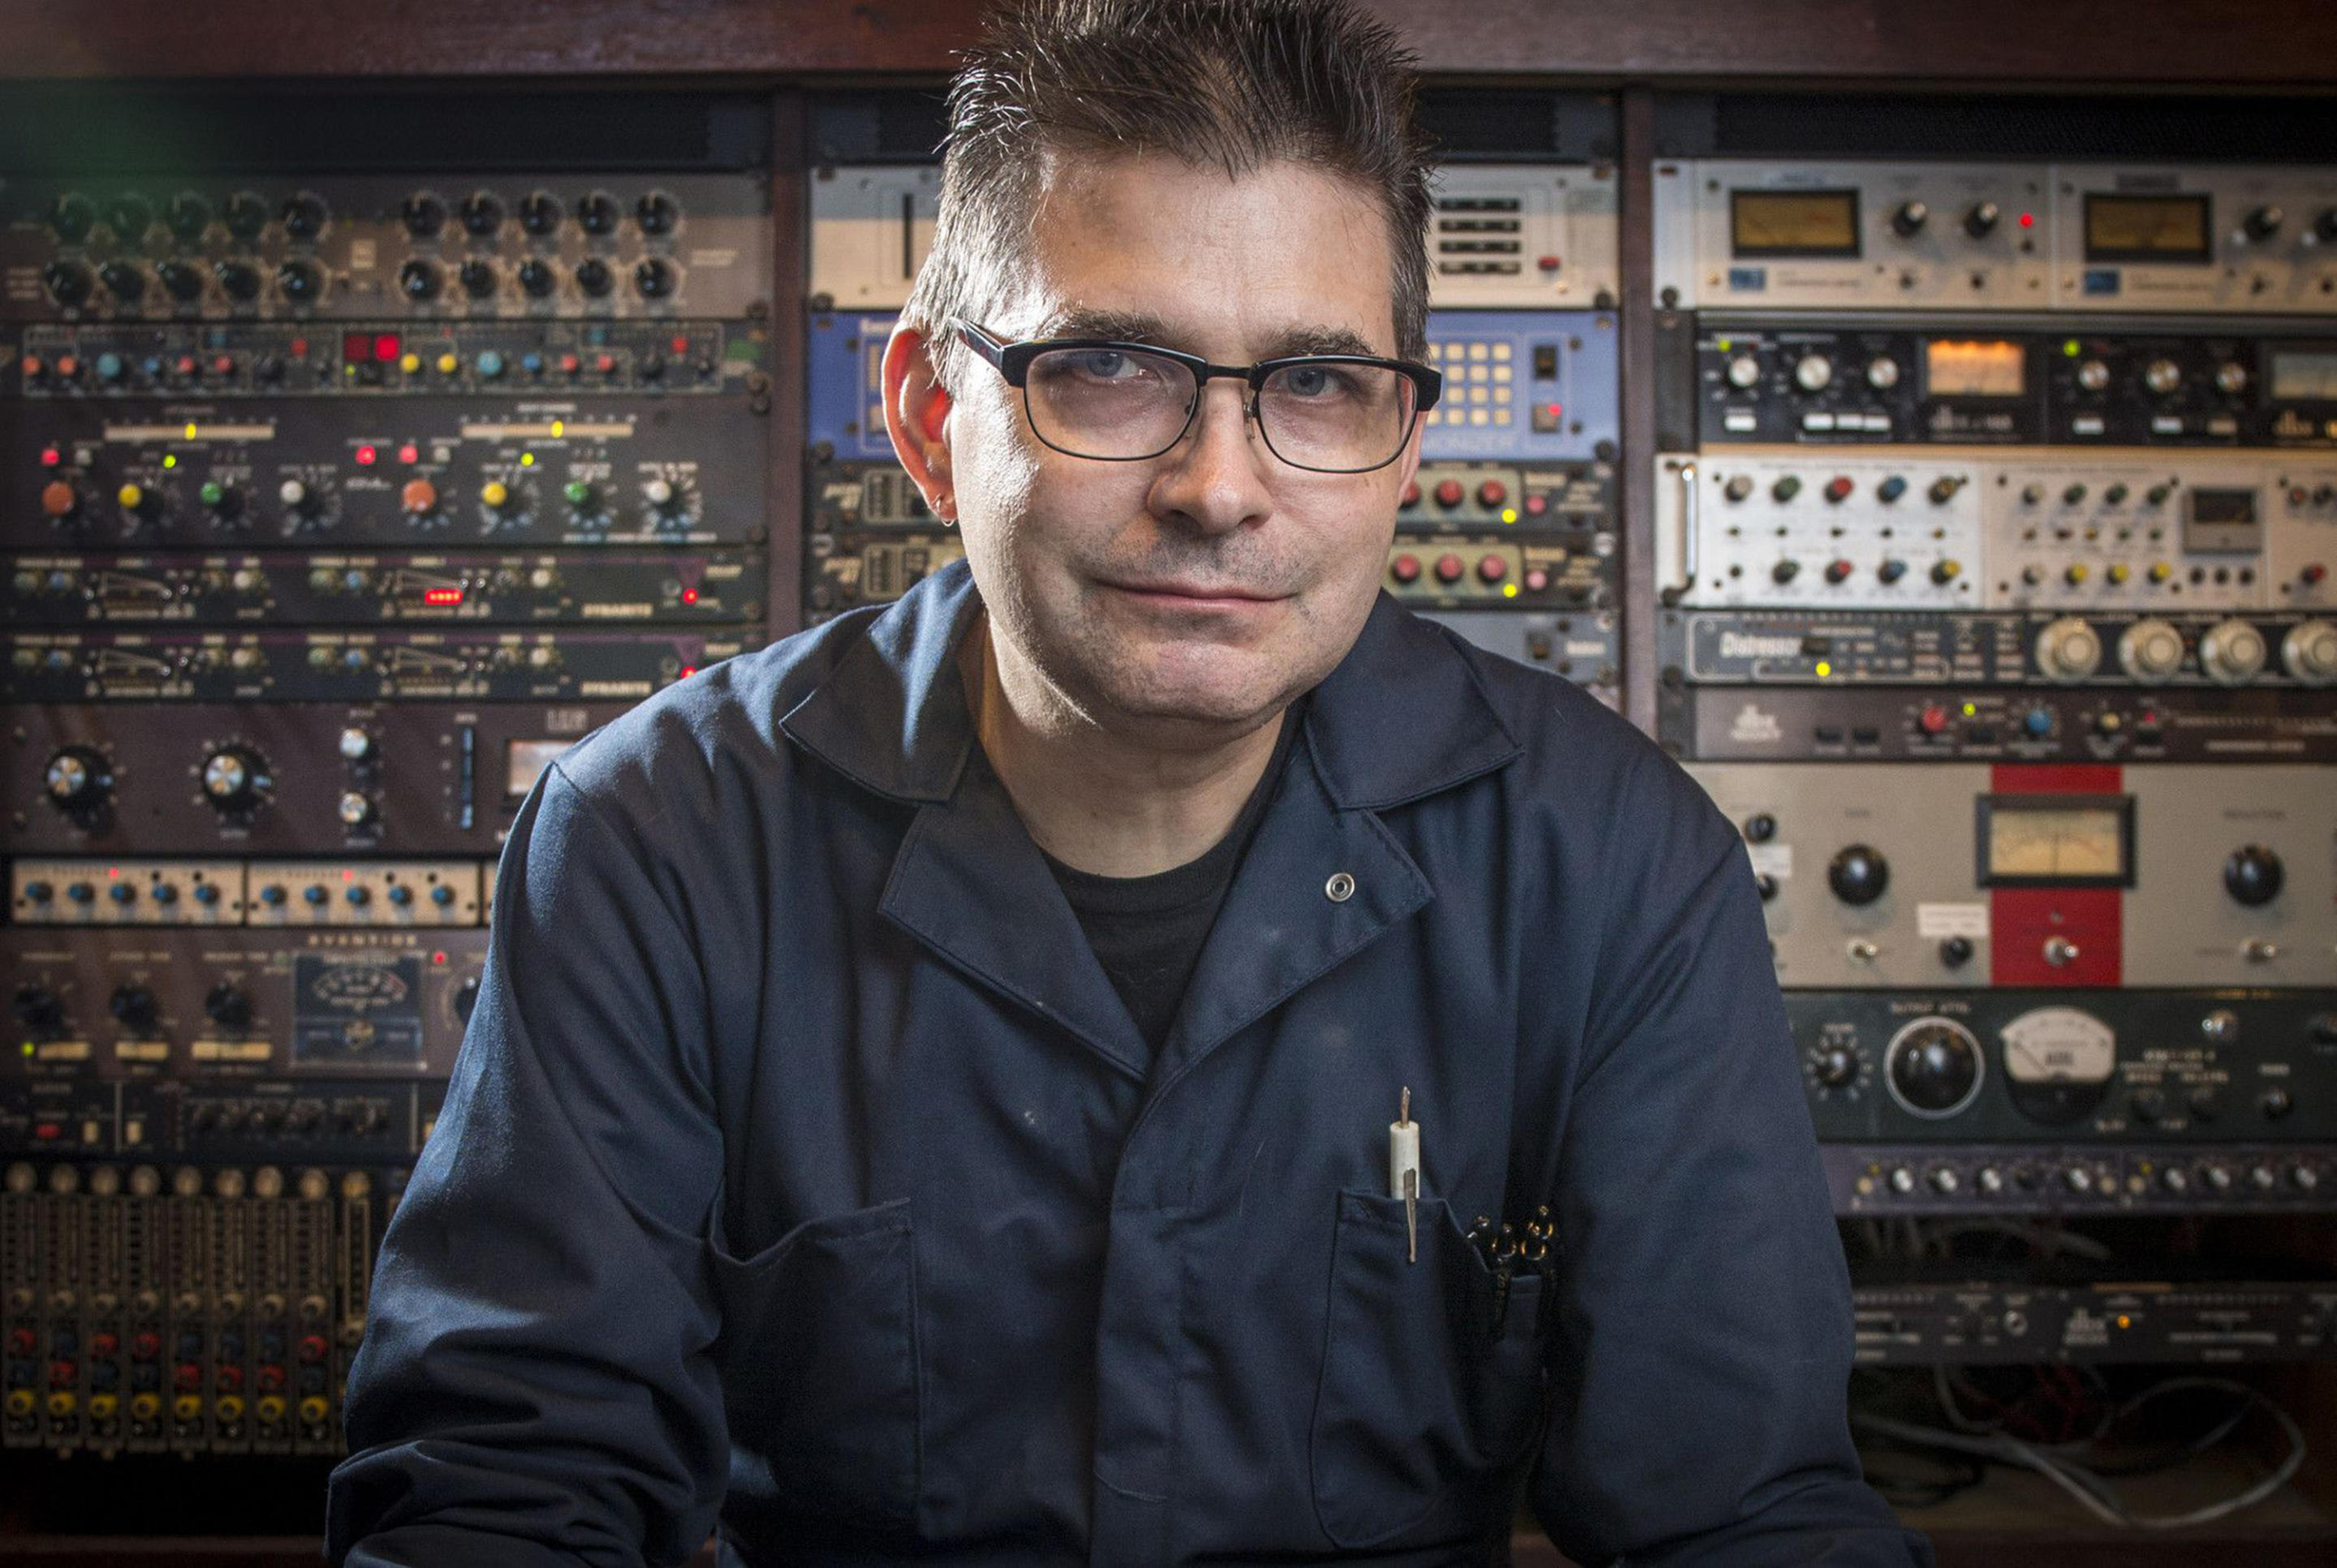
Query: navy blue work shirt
[[802, 1166]]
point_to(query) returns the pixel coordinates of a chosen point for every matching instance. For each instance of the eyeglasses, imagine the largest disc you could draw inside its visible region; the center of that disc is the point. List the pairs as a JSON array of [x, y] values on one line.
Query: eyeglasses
[[1126, 402]]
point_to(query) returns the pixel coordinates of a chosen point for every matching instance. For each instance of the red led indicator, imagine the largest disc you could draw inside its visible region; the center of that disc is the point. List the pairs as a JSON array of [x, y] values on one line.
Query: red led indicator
[[356, 345], [365, 456], [688, 670], [114, 873], [1556, 409], [300, 348], [442, 596], [409, 453], [439, 958], [690, 596], [50, 457], [680, 345], [348, 876], [384, 348], [2029, 220]]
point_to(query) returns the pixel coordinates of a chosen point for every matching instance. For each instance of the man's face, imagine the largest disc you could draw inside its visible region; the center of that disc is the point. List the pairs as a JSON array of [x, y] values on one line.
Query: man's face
[[1193, 594]]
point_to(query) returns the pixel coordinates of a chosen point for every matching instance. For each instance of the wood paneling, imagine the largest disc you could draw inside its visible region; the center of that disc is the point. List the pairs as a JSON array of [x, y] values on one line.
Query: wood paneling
[[2290, 43]]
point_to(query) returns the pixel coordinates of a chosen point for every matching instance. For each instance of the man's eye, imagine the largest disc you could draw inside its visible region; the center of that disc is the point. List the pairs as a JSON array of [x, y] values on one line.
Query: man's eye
[[1315, 381], [1107, 364]]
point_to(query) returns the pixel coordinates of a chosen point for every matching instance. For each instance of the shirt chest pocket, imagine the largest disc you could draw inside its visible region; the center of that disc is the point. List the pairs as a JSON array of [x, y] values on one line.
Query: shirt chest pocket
[[818, 1359], [1425, 1399]]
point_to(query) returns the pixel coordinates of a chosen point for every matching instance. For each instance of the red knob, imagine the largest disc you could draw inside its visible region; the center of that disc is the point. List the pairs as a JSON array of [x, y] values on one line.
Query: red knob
[[1535, 505], [58, 500], [223, 365], [146, 1346], [1839, 489], [1838, 571], [1492, 493], [1934, 719], [68, 366], [606, 363], [22, 1342], [271, 1380], [1449, 494], [1404, 569], [1449, 569], [186, 365], [1493, 568], [103, 1345], [2314, 573], [62, 1374], [189, 1377], [313, 1347], [420, 496], [229, 1378]]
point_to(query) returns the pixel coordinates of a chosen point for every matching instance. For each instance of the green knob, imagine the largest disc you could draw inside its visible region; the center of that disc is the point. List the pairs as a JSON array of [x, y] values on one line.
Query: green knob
[[579, 493], [213, 492]]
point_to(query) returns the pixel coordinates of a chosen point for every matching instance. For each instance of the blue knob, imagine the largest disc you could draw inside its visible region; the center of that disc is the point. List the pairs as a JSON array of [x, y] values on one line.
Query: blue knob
[[532, 362], [314, 892], [2040, 722], [490, 363], [110, 367]]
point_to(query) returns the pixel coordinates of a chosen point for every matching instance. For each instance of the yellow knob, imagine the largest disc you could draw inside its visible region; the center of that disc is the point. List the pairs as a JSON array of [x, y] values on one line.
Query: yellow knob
[[2118, 572], [145, 1407], [21, 1402], [63, 1404], [314, 1410], [496, 494], [102, 1406], [186, 1408], [230, 1409], [446, 364], [2077, 574], [409, 363], [2160, 571], [130, 497], [271, 1409]]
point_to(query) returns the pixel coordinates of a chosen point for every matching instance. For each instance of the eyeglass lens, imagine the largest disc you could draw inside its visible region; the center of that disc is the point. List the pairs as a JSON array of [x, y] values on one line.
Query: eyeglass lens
[[1121, 404]]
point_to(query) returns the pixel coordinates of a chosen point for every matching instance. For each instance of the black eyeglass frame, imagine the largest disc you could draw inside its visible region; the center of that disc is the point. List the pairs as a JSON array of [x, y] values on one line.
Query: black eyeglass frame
[[1014, 360]]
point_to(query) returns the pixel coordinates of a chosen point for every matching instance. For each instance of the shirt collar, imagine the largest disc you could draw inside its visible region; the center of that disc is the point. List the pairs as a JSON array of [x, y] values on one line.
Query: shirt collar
[[1401, 716]]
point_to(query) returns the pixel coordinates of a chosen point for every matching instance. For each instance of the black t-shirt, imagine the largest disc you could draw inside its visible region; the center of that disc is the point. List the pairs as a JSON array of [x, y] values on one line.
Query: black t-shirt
[[1147, 932]]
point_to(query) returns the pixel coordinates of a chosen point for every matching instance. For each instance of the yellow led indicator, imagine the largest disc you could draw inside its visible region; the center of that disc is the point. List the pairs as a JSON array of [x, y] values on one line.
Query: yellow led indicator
[[493, 492], [170, 460], [446, 364], [559, 427], [130, 496], [409, 363], [2124, 1321], [1508, 514], [190, 433], [1508, 590], [2070, 349], [1723, 346], [1825, 669], [1971, 708], [26, 1048], [527, 459]]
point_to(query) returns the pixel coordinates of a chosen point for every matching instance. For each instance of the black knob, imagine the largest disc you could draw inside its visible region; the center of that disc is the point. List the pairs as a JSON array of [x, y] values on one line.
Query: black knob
[[304, 216], [73, 217], [540, 213], [593, 278], [655, 279], [39, 1009], [135, 1007], [1760, 828], [68, 282], [123, 281], [182, 282], [656, 212], [482, 213], [300, 282], [1935, 1066], [2148, 1105], [228, 1005], [1981, 221], [2276, 1104], [425, 214], [1785, 571], [241, 281], [1765, 885], [78, 779], [1835, 1067], [479, 279], [130, 215], [234, 779], [418, 281], [2263, 223], [1908, 219], [1955, 952], [188, 216], [1858, 874], [245, 215], [536, 277], [597, 213], [2252, 875]]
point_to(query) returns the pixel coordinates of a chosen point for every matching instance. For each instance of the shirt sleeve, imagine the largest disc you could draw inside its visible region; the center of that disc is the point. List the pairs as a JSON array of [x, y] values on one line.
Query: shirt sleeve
[[534, 1386], [1701, 1336]]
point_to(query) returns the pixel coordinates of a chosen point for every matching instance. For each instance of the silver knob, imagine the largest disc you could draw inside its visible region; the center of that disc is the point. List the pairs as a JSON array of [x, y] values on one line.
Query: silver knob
[[2093, 375], [2068, 649], [2060, 953], [2162, 376], [355, 809], [1864, 951], [356, 745], [1943, 1180], [1813, 373], [1882, 373], [1744, 370], [2309, 652], [1989, 1180], [1903, 1180], [2232, 652], [2257, 950], [2230, 377], [2221, 1027], [2150, 650]]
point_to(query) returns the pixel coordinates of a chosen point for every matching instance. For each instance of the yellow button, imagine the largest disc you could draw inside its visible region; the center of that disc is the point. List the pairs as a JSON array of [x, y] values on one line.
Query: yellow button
[[446, 364], [496, 494], [186, 1408], [145, 1407], [130, 497], [102, 1406], [409, 363]]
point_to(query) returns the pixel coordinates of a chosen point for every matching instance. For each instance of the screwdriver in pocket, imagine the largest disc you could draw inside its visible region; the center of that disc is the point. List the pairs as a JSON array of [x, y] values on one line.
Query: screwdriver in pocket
[[1404, 1172]]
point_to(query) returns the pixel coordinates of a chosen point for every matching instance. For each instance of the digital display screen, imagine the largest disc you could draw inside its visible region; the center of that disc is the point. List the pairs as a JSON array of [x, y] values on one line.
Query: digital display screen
[[2058, 841], [524, 761], [1793, 222], [1954, 369], [2147, 229], [2304, 377]]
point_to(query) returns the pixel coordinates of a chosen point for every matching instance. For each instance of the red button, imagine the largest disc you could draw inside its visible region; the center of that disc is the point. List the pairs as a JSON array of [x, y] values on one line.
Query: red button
[[58, 500], [1449, 569], [68, 366], [1449, 494], [223, 365], [567, 364], [1536, 580], [1839, 490], [47, 1133], [34, 367], [1492, 493], [605, 363], [1492, 568], [1535, 505], [1411, 494], [1404, 569], [1934, 719], [186, 365], [1548, 263]]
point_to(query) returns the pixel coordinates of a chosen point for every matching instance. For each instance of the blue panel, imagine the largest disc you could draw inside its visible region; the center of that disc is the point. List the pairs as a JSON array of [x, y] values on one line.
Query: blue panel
[[2101, 280], [847, 365], [1748, 279], [1554, 360], [1505, 373]]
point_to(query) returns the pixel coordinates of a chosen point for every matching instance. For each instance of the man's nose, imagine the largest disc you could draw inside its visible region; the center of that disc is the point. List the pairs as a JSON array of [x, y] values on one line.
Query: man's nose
[[1216, 477]]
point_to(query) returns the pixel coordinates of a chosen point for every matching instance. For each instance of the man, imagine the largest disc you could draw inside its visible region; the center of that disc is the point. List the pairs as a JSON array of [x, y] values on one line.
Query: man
[[935, 1089]]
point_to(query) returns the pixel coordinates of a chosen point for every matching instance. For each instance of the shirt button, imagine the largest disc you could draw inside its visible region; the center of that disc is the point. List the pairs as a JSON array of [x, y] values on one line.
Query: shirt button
[[1340, 887]]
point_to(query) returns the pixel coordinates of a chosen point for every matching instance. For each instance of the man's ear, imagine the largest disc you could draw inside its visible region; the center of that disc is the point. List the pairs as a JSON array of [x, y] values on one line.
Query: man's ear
[[916, 416]]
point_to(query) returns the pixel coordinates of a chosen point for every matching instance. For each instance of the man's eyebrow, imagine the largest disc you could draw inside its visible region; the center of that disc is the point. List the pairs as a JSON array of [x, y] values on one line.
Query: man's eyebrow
[[1137, 326]]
